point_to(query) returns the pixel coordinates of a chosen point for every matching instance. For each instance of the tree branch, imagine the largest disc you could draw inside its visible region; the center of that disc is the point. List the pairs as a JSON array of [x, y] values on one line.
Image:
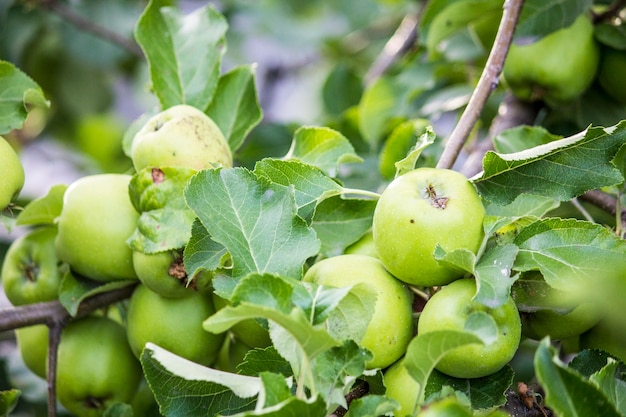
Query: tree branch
[[610, 12], [488, 82], [398, 44], [92, 27]]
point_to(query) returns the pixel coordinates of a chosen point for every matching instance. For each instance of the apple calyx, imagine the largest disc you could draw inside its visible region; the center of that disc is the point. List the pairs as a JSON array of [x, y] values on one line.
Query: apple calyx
[[437, 201], [158, 176]]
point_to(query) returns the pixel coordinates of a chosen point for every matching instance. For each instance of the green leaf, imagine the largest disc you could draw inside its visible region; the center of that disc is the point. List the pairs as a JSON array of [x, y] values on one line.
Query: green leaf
[[256, 221], [165, 221], [493, 275], [590, 361], [8, 401], [322, 147], [463, 260], [541, 17], [608, 382], [455, 17], [339, 222], [184, 53], [235, 107], [371, 406], [269, 297], [260, 360], [162, 229], [43, 210], [119, 410], [184, 388], [483, 393], [426, 349], [404, 137], [567, 392], [17, 92], [523, 205], [311, 185], [570, 253], [408, 163], [562, 169], [520, 138], [275, 389], [335, 370], [74, 290], [379, 103], [312, 407], [201, 252]]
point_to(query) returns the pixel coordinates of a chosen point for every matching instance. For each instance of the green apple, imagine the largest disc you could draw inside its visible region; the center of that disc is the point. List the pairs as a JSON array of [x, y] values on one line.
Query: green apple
[[446, 407], [391, 327], [555, 313], [231, 354], [30, 270], [419, 210], [180, 136], [606, 336], [611, 73], [96, 220], [364, 246], [11, 172], [95, 367], [400, 386], [453, 308], [249, 332], [162, 272], [558, 67], [174, 324], [32, 343]]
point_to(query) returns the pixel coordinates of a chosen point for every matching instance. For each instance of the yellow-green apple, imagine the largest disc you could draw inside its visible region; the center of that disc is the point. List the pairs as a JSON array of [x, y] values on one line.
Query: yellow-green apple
[[419, 210], [30, 270], [391, 326], [11, 174], [453, 308], [96, 220], [180, 136]]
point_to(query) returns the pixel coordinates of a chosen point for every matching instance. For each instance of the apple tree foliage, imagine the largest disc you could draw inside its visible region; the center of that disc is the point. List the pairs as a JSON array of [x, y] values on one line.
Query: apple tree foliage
[[258, 225]]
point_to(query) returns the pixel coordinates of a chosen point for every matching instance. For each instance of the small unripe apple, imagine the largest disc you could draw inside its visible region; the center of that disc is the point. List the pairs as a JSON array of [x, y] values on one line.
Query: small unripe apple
[[419, 210], [162, 272], [400, 386], [95, 367], [32, 342], [180, 136], [391, 326], [446, 407], [96, 220], [249, 332], [453, 308], [11, 174], [558, 67], [30, 271], [611, 73], [175, 324]]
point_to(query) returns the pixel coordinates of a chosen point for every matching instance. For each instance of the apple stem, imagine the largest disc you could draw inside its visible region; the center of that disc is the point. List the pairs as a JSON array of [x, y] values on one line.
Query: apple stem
[[365, 193], [488, 82]]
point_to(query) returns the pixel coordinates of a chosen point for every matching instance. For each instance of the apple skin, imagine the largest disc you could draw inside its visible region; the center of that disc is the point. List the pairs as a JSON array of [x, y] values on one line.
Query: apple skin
[[557, 68], [180, 136], [606, 336], [400, 386], [447, 407], [611, 73], [153, 270], [96, 220], [364, 246], [11, 172], [417, 211], [391, 327], [174, 324], [30, 271], [32, 343], [95, 366], [449, 308]]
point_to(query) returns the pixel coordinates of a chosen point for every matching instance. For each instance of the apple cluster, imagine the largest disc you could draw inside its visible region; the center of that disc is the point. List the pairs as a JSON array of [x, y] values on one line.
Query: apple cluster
[[98, 217], [550, 70]]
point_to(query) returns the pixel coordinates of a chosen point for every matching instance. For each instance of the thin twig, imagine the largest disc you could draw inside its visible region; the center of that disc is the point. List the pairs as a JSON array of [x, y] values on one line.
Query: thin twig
[[401, 41], [54, 338], [488, 82], [92, 27], [605, 202], [610, 12]]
